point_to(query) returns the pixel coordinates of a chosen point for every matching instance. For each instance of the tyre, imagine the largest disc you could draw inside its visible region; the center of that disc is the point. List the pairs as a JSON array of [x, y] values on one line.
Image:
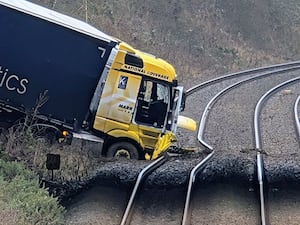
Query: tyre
[[123, 149]]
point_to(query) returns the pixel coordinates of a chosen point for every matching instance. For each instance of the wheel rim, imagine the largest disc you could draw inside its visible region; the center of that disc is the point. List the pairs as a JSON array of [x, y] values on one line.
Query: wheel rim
[[123, 153]]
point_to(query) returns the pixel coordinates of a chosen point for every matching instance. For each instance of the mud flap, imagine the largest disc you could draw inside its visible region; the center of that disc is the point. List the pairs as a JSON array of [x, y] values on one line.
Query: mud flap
[[163, 143]]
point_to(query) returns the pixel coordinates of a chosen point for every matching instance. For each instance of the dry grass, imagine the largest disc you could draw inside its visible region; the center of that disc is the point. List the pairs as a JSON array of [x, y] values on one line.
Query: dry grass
[[77, 161], [26, 141], [201, 39], [9, 216]]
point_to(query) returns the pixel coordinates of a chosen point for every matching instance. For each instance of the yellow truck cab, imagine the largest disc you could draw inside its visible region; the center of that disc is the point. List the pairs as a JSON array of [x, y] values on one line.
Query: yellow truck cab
[[140, 104]]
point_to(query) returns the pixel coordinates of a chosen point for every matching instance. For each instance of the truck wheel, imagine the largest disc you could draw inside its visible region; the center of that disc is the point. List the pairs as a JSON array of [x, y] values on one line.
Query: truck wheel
[[123, 149]]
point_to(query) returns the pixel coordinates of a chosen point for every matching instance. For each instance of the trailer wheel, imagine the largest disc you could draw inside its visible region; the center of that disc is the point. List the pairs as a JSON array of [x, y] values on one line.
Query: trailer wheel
[[123, 149]]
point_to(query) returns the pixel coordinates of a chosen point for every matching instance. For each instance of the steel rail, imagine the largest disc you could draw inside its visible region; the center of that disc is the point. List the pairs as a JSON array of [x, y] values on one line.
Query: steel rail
[[209, 106], [258, 144], [200, 166], [261, 178], [193, 173], [242, 73], [141, 177], [155, 164], [296, 118], [258, 108]]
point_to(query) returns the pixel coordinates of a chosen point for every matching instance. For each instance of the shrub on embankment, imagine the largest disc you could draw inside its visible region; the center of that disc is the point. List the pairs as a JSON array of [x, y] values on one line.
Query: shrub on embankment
[[22, 201]]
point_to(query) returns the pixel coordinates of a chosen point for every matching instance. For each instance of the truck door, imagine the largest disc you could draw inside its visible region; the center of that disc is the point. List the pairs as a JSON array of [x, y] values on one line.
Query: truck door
[[151, 113], [118, 99], [177, 104]]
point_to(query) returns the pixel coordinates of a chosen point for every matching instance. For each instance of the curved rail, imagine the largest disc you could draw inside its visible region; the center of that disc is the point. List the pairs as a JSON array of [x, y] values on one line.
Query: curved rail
[[141, 177], [193, 173], [296, 115], [242, 73], [258, 144], [258, 108], [200, 166], [223, 92]]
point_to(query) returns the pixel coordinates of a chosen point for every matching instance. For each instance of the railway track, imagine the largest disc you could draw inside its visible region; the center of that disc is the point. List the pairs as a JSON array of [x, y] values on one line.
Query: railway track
[[258, 147], [241, 119], [142, 175], [287, 147]]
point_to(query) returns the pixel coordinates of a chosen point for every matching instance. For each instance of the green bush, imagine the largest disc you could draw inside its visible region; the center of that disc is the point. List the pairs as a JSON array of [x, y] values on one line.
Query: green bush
[[19, 190], [10, 170]]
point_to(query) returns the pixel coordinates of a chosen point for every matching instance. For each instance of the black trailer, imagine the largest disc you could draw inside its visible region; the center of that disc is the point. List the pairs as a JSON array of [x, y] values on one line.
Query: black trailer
[[44, 50]]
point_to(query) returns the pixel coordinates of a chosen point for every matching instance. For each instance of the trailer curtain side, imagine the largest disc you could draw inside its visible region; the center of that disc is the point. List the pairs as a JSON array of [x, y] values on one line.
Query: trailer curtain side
[[38, 55]]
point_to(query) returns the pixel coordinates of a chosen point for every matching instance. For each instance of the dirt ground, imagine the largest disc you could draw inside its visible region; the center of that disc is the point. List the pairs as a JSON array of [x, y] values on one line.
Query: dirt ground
[[221, 204]]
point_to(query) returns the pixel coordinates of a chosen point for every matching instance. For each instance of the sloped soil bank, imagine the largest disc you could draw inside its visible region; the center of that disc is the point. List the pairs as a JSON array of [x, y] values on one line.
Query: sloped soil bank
[[175, 173]]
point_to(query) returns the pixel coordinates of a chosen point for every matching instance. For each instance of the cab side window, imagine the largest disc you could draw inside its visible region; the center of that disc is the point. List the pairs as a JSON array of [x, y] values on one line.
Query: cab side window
[[153, 100]]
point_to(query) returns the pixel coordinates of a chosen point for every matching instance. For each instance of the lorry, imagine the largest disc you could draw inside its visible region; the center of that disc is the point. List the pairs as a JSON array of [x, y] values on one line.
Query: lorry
[[99, 88]]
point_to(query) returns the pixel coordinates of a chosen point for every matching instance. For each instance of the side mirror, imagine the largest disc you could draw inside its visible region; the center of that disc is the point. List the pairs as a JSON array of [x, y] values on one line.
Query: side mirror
[[182, 106]]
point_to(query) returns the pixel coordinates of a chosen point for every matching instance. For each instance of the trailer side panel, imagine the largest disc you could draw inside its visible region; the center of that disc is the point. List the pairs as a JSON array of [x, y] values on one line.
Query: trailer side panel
[[38, 55]]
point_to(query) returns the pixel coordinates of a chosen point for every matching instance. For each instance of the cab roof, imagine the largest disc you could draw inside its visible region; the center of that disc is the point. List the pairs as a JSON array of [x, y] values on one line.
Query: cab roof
[[152, 66]]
